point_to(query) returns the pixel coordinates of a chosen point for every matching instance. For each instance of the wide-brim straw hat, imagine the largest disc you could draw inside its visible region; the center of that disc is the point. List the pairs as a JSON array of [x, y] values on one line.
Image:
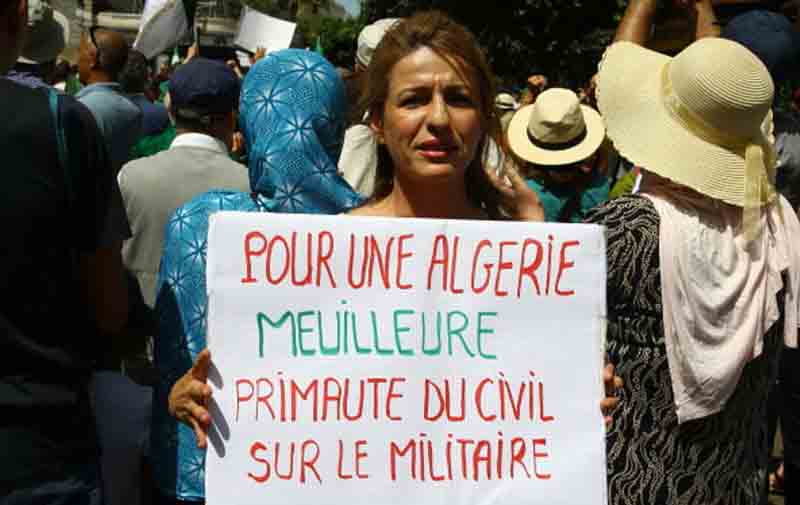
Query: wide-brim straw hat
[[699, 119], [556, 130]]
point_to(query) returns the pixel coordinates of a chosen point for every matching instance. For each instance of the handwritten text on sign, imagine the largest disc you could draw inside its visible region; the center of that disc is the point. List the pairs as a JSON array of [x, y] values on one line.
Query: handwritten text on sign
[[404, 361]]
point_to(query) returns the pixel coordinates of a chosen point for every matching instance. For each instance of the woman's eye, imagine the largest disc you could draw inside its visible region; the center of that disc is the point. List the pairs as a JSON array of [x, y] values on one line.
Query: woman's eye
[[411, 101], [461, 100]]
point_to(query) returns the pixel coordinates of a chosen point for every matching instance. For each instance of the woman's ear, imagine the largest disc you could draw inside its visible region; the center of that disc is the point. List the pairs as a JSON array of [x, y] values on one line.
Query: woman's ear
[[376, 123]]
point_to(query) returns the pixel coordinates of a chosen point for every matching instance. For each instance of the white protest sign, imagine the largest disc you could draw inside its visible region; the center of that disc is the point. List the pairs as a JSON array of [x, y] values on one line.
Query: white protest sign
[[259, 30], [371, 361]]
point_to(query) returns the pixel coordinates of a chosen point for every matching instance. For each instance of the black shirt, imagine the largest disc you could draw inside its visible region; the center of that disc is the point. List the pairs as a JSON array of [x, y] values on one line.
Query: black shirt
[[50, 213]]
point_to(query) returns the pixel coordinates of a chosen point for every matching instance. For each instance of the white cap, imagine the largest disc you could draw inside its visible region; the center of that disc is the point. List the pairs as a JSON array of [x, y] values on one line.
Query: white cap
[[370, 37]]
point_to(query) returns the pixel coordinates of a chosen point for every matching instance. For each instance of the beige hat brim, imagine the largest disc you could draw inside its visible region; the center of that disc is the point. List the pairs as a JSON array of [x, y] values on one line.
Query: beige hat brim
[[521, 145], [643, 131]]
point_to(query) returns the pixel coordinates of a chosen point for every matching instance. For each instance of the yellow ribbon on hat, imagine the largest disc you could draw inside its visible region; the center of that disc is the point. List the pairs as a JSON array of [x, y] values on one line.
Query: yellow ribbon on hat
[[759, 166]]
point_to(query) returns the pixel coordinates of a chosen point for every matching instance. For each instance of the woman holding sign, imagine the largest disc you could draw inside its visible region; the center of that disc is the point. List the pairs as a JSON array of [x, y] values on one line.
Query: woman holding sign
[[430, 102]]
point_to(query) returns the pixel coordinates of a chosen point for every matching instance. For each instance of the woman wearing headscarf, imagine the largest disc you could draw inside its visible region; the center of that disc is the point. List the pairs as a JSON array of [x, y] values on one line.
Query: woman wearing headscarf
[[292, 114], [702, 281]]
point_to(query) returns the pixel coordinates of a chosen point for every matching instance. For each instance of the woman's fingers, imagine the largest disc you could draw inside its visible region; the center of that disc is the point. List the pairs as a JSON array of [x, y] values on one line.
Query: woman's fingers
[[200, 433]]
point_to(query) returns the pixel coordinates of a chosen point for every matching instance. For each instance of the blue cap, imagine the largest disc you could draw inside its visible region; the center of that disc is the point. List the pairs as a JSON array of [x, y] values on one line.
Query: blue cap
[[771, 37], [202, 87]]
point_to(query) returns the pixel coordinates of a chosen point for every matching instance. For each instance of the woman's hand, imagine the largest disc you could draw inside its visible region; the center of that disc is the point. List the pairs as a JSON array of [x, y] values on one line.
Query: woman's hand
[[188, 399], [612, 384], [520, 200]]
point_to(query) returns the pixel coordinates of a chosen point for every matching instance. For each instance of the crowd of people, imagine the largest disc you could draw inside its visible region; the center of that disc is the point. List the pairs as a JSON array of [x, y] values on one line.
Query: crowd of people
[[115, 166]]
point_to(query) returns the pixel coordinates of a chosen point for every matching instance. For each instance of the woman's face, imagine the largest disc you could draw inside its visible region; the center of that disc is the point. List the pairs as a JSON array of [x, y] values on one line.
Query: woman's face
[[431, 120]]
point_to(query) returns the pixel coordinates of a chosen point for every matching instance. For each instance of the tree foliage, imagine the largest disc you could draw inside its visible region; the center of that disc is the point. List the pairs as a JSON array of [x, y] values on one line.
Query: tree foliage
[[337, 37], [562, 39]]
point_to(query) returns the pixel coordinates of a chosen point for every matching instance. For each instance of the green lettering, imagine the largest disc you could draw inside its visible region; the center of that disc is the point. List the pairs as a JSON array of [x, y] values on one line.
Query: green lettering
[[261, 318], [457, 331], [359, 349], [302, 330], [484, 331], [376, 338], [327, 351], [438, 349], [401, 329]]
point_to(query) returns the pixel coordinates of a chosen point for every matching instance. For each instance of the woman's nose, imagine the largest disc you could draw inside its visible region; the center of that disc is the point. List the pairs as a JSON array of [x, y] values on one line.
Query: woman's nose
[[439, 116]]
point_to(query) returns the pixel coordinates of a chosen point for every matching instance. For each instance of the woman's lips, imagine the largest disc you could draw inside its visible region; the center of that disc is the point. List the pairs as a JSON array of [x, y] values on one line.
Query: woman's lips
[[435, 150]]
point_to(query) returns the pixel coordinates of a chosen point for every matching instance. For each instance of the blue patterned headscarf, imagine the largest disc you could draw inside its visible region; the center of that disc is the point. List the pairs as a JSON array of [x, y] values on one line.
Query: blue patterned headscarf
[[292, 114]]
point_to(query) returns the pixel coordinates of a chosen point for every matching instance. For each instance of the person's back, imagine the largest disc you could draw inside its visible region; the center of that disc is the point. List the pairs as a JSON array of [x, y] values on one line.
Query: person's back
[[55, 223], [155, 186], [102, 57]]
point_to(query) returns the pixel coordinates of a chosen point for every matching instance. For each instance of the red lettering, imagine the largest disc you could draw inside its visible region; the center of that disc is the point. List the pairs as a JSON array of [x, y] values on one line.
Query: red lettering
[[401, 257], [529, 270], [350, 280], [479, 403], [487, 266], [391, 396], [383, 261], [255, 448], [453, 264], [249, 252], [307, 279], [542, 417], [439, 242], [501, 266], [359, 456], [427, 403], [324, 254], [264, 398], [376, 384], [518, 455], [395, 452], [309, 462], [240, 398], [563, 264], [339, 472], [537, 456], [287, 261]]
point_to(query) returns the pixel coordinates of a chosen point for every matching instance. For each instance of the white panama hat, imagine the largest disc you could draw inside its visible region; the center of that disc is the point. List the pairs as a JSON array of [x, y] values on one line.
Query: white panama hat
[[556, 129], [48, 33], [699, 119]]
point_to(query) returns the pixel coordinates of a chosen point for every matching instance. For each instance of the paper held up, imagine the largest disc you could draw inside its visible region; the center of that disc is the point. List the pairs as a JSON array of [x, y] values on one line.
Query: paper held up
[[259, 30]]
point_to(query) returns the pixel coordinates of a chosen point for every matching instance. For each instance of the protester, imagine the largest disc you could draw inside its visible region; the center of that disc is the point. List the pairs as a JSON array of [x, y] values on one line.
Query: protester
[[61, 279], [506, 106], [559, 140], [707, 232], [48, 33], [358, 160], [427, 150], [776, 42], [291, 169], [134, 79], [103, 54], [204, 96]]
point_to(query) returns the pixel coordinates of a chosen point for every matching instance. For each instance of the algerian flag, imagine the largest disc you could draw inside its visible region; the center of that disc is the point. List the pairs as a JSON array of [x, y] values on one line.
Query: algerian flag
[[163, 24]]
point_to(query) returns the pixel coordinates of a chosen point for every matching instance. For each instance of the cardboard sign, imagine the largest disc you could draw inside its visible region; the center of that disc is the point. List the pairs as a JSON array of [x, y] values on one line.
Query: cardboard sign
[[259, 30], [394, 361]]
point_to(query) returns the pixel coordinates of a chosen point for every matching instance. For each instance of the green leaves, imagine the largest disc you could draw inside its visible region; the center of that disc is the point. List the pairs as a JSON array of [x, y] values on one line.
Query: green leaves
[[561, 38]]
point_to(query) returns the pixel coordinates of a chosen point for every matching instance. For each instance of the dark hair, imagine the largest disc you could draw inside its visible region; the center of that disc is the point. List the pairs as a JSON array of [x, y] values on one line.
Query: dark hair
[[454, 43], [134, 75], [60, 73]]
